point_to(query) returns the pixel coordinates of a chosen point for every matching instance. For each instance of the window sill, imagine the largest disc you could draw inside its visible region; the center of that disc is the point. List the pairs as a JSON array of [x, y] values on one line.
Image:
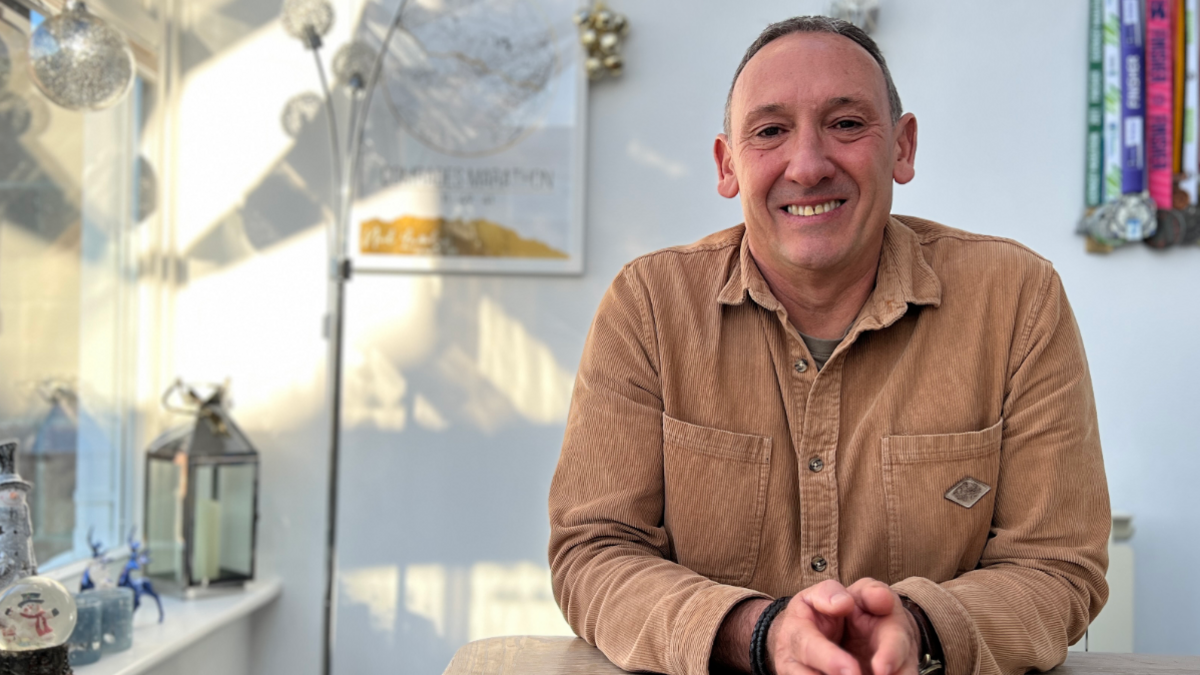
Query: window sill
[[187, 622]]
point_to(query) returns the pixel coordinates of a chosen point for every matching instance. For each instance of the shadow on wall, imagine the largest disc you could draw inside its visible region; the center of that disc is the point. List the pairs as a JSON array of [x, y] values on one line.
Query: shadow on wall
[[418, 615], [289, 200], [455, 401]]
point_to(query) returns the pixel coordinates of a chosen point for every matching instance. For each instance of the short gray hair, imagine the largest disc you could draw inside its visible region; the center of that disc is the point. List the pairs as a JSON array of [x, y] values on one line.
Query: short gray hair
[[817, 24]]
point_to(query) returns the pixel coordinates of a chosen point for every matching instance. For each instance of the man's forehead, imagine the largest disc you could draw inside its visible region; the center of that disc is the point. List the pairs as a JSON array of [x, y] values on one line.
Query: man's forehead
[[833, 68]]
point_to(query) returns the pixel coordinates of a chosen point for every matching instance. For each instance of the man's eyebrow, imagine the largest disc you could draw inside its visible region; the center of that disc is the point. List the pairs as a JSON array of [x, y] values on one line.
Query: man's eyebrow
[[765, 110], [848, 102], [768, 109]]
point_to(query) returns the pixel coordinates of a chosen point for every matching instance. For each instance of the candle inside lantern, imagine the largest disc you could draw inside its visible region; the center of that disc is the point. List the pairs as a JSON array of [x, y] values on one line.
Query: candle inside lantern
[[206, 563]]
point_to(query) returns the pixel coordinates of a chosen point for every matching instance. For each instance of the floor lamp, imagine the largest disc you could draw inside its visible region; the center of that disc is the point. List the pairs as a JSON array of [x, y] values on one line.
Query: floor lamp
[[356, 69]]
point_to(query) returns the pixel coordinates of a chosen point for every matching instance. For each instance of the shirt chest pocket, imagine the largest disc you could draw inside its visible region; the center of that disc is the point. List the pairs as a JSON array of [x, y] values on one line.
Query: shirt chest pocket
[[715, 494], [940, 492]]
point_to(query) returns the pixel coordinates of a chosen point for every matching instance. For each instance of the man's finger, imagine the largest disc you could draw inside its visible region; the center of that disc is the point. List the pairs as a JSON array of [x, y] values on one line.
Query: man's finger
[[794, 668], [807, 637], [895, 649], [874, 597], [829, 597], [809, 648]]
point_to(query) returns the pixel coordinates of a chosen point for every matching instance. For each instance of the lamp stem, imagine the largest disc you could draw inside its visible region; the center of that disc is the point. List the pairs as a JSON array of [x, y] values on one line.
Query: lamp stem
[[341, 270], [336, 157]]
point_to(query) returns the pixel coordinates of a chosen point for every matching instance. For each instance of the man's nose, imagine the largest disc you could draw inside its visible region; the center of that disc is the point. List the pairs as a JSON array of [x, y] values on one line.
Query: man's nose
[[808, 163]]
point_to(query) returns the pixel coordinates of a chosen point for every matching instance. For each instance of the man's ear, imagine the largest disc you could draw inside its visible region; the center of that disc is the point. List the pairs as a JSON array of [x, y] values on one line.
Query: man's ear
[[727, 184], [906, 149]]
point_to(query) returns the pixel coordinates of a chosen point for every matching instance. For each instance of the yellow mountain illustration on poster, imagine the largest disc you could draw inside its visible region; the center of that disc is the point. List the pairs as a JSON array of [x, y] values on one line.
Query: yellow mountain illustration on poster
[[410, 235]]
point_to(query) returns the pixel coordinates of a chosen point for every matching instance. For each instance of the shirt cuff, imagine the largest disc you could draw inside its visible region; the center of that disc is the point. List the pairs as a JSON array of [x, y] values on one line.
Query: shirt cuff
[[696, 629], [955, 629]]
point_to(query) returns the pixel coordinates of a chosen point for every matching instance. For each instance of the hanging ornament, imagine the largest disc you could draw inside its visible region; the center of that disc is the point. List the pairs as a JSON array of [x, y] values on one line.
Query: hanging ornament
[[601, 32], [80, 62], [307, 20], [352, 65], [861, 13]]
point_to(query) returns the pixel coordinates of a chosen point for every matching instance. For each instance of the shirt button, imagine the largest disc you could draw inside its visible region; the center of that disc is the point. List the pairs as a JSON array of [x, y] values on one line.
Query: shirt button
[[815, 465], [801, 365], [818, 564]]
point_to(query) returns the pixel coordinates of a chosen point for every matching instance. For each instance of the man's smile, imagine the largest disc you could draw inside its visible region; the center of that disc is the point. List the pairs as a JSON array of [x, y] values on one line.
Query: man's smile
[[813, 210]]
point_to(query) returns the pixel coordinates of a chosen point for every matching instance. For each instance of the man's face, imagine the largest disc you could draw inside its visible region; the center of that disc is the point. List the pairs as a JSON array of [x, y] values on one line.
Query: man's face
[[813, 152]]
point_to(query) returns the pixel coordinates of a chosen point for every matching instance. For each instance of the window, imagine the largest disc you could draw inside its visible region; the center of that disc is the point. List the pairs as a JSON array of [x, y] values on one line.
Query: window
[[77, 205]]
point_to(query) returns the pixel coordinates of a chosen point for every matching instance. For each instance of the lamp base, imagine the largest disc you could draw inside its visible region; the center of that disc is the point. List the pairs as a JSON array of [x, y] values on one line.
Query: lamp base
[[51, 661]]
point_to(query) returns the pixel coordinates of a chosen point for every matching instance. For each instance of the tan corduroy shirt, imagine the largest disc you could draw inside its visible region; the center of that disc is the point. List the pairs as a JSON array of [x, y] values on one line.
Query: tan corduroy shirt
[[706, 460]]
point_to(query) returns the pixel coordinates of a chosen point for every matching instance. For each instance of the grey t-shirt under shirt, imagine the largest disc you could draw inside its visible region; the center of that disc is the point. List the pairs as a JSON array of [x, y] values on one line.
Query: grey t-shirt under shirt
[[821, 349]]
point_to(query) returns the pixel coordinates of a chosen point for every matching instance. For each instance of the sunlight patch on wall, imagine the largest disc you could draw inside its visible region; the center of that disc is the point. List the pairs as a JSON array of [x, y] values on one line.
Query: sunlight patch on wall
[[425, 594], [374, 392], [522, 367], [427, 415], [226, 150], [378, 588], [513, 600], [259, 323]]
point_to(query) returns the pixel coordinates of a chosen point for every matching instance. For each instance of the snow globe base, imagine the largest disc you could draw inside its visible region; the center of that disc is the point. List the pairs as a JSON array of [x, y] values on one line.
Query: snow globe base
[[49, 661]]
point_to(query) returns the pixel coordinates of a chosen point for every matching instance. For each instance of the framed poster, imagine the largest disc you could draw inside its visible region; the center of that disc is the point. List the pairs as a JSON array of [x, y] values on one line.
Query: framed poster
[[473, 153]]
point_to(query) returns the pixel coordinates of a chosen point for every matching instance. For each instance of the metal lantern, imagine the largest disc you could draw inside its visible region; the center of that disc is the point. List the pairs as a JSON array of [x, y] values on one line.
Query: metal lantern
[[201, 497]]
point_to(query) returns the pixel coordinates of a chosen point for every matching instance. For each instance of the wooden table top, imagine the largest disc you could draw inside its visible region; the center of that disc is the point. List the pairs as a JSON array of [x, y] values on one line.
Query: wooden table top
[[531, 655]]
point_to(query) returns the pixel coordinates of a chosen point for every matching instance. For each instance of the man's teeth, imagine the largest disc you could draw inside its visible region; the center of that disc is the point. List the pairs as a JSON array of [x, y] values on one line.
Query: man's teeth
[[814, 210]]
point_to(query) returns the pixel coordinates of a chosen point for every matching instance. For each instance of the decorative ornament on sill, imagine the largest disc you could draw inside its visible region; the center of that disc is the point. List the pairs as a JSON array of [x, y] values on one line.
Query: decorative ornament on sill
[[37, 614], [16, 527], [201, 496], [139, 584], [601, 32], [96, 574], [80, 62], [861, 13]]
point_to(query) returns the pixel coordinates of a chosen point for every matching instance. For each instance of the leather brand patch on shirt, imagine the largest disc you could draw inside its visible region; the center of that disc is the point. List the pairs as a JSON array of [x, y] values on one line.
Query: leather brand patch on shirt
[[967, 492]]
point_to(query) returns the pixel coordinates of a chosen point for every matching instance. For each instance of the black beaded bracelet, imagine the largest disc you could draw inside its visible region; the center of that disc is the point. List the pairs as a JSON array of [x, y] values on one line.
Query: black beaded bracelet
[[758, 640]]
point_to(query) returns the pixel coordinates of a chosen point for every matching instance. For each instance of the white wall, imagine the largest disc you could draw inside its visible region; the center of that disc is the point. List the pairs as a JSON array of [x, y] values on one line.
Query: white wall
[[447, 465]]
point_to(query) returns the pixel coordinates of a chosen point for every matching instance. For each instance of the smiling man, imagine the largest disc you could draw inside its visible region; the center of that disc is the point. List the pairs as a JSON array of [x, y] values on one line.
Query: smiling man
[[830, 440]]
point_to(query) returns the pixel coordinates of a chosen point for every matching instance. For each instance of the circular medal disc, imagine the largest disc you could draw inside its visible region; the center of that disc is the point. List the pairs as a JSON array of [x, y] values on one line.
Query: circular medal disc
[[35, 613]]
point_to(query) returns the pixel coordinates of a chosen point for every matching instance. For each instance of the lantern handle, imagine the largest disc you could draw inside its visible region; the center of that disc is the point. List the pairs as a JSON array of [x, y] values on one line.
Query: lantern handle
[[191, 402]]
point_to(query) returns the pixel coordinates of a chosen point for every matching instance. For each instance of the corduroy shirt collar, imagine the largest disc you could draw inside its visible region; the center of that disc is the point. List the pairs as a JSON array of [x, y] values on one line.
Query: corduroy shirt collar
[[903, 278]]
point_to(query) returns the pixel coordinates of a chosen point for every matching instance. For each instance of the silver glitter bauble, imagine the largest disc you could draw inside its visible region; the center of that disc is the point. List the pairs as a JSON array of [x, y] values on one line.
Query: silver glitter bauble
[[861, 13], [299, 111], [307, 19], [352, 64], [80, 62]]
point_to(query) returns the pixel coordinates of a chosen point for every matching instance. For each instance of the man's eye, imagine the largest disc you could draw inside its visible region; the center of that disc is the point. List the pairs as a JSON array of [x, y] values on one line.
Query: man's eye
[[770, 132], [846, 124]]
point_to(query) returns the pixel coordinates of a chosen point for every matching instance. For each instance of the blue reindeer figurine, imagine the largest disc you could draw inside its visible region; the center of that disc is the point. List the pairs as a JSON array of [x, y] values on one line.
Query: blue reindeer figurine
[[140, 584], [99, 562]]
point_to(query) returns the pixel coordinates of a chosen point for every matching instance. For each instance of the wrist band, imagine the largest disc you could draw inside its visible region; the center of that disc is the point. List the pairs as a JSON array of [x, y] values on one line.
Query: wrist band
[[931, 658], [759, 663]]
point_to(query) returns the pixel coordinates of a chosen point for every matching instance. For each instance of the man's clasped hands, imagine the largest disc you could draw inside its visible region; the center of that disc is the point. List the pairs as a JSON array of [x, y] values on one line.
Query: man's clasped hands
[[832, 629]]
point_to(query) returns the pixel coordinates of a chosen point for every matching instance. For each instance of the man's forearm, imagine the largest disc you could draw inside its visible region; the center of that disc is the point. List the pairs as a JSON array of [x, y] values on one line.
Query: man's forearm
[[731, 649]]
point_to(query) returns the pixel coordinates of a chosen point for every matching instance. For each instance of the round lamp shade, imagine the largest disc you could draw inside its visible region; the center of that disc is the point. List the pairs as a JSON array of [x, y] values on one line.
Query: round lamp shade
[[307, 19], [353, 63], [80, 62]]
